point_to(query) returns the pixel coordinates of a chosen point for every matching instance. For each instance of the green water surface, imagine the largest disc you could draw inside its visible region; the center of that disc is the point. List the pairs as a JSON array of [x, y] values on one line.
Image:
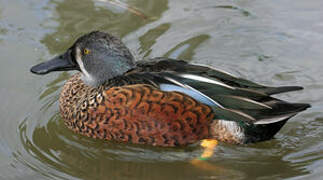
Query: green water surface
[[270, 42]]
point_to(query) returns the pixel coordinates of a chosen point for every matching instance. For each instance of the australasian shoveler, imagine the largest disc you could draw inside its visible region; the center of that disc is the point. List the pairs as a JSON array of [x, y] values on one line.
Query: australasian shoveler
[[161, 101]]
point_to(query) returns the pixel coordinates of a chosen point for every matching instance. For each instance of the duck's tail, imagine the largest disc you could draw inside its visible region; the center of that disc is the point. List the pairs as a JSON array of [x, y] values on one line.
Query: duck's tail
[[265, 129]]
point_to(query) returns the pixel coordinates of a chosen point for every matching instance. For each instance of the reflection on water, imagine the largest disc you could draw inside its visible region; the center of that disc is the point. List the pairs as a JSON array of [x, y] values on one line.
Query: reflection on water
[[185, 49], [150, 37], [244, 12], [3, 30], [76, 17], [265, 41]]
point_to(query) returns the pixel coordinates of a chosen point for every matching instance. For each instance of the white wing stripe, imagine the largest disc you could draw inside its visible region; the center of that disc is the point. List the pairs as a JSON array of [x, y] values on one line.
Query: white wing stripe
[[251, 101], [190, 92], [204, 79]]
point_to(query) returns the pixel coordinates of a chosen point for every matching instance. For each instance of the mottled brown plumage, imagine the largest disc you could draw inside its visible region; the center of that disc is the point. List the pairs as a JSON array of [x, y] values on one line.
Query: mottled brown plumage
[[139, 114]]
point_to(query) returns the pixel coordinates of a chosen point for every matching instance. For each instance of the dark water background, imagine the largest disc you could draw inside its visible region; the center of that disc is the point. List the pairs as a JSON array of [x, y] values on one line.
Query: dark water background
[[270, 42]]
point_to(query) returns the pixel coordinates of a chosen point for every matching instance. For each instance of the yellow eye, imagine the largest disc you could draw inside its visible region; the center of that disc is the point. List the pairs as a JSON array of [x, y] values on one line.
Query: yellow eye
[[86, 51]]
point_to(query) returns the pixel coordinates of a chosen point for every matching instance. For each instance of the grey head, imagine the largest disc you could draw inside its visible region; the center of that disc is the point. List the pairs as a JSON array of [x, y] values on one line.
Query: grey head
[[98, 55]]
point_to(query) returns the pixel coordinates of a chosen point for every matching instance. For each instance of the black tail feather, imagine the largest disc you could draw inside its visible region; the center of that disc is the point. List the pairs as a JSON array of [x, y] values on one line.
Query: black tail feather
[[282, 89]]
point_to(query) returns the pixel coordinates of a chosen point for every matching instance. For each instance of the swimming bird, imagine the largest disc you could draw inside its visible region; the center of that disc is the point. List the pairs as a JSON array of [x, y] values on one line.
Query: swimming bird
[[161, 101]]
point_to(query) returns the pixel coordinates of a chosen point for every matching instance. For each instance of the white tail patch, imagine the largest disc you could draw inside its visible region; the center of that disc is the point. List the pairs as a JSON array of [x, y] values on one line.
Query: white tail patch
[[233, 128]]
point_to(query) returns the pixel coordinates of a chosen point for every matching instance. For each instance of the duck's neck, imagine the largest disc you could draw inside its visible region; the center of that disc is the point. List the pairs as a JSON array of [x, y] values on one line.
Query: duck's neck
[[104, 70]]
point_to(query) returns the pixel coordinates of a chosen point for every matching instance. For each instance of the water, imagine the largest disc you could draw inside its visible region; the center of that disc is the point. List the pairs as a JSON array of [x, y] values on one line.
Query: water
[[270, 42]]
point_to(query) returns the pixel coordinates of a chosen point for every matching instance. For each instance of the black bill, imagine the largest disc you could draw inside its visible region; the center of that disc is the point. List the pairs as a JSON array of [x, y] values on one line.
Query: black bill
[[63, 62]]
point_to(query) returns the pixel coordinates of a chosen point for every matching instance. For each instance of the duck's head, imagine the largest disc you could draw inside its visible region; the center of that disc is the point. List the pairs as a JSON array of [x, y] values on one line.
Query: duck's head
[[98, 55]]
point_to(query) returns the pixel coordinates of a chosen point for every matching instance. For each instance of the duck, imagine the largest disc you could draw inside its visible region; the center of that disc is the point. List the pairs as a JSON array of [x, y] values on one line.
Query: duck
[[162, 101]]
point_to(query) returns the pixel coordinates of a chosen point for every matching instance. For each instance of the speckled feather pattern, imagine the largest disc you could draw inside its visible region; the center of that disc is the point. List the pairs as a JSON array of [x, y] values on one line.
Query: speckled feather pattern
[[139, 114]]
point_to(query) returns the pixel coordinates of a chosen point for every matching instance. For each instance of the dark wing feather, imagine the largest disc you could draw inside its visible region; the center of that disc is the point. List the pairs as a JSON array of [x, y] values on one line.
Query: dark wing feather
[[240, 99]]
